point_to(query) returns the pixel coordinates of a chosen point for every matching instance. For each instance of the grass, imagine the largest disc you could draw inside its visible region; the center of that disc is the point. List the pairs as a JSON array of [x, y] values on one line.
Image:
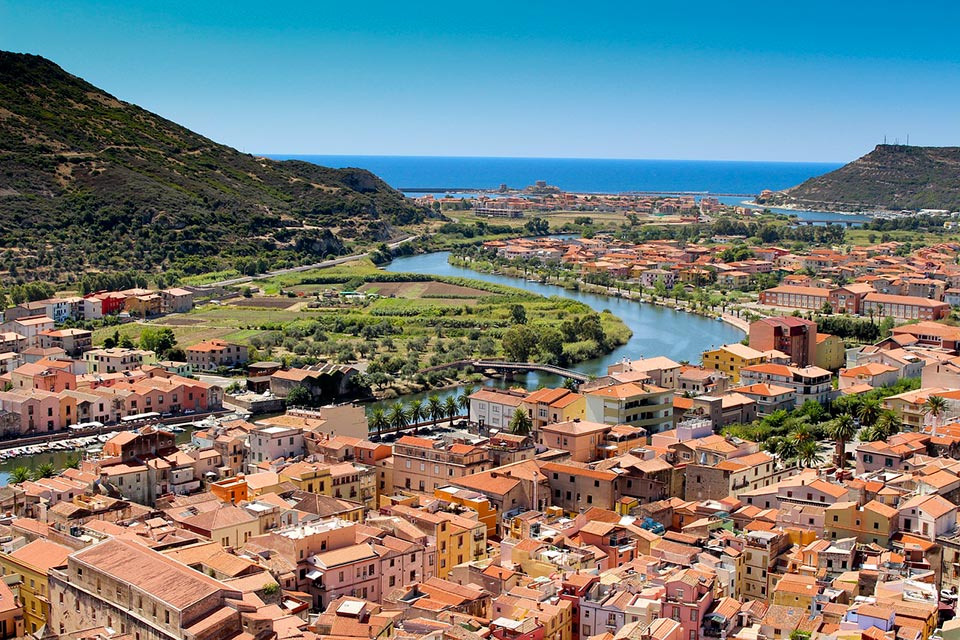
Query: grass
[[426, 323], [863, 237]]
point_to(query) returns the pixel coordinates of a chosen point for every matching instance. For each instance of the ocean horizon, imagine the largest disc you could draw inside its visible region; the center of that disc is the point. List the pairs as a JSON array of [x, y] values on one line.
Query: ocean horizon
[[596, 175]]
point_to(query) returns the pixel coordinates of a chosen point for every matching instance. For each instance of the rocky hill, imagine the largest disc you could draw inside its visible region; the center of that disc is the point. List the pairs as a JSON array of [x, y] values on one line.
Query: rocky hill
[[891, 177], [89, 182]]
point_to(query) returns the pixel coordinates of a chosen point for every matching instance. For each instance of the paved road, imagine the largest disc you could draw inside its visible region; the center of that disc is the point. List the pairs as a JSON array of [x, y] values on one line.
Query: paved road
[[306, 267]]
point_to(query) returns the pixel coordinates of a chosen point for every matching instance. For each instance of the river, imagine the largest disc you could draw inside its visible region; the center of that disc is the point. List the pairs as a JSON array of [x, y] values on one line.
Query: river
[[657, 331]]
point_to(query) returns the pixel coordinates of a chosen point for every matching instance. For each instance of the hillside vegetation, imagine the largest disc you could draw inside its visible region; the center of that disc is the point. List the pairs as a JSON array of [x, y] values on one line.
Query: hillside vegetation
[[88, 182], [891, 177]]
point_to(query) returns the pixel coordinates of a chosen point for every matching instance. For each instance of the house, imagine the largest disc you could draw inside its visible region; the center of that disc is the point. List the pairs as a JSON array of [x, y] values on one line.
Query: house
[[928, 516], [176, 300], [581, 438], [808, 383], [874, 374], [494, 408], [74, 342], [830, 352], [214, 354]]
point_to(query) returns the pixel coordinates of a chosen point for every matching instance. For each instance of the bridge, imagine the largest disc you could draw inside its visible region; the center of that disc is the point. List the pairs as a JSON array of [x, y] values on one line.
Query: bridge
[[509, 368]]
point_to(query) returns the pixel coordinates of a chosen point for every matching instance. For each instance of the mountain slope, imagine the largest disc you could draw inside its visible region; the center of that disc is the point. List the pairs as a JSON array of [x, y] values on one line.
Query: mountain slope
[[890, 177], [88, 182]]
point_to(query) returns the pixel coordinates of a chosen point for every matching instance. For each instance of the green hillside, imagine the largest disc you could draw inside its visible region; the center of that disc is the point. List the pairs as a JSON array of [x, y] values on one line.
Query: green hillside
[[89, 183], [891, 177]]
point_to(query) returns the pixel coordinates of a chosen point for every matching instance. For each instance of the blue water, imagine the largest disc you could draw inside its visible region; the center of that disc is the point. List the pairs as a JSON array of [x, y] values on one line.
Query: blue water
[[584, 175]]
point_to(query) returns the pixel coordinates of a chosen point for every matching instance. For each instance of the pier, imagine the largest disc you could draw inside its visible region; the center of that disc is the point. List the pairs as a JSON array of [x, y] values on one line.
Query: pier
[[509, 368]]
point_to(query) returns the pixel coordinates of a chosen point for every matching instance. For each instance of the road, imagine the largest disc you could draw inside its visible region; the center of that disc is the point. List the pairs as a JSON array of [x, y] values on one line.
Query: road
[[306, 267]]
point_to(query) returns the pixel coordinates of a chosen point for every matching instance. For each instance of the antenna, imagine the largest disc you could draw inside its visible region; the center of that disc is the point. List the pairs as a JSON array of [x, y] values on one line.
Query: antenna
[[908, 139]]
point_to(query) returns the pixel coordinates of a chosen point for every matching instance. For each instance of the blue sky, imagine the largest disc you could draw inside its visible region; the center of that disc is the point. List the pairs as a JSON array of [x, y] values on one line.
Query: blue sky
[[818, 81]]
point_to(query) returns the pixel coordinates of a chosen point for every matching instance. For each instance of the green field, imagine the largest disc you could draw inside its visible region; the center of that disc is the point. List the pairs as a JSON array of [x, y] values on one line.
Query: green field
[[402, 323]]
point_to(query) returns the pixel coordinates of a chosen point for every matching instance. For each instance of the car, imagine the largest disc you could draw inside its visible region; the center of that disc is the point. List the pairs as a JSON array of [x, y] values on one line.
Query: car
[[166, 415], [188, 412]]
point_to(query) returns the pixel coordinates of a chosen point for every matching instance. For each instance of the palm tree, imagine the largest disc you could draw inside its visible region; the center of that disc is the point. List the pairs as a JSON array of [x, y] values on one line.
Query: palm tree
[[843, 429], [936, 406], [435, 407], [520, 423], [417, 411], [20, 474], [451, 409], [888, 424], [397, 416], [800, 432], [378, 420], [45, 470], [463, 400], [808, 454], [869, 411]]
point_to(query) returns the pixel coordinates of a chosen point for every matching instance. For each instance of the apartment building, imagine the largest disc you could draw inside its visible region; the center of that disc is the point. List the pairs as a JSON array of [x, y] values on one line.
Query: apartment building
[[731, 359], [424, 465], [795, 337], [117, 359], [135, 590], [808, 383], [635, 404], [214, 354]]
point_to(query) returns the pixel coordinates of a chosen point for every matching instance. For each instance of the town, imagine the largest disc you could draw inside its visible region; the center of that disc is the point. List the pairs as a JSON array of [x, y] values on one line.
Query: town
[[800, 484]]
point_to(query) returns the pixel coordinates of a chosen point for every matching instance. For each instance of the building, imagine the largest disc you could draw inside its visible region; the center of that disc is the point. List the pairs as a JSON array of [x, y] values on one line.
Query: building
[[215, 354], [581, 438], [795, 337], [117, 359], [494, 408], [135, 590], [424, 465], [546, 406], [31, 563], [808, 383], [273, 442], [904, 307], [74, 342], [636, 404], [176, 300], [830, 352], [731, 358]]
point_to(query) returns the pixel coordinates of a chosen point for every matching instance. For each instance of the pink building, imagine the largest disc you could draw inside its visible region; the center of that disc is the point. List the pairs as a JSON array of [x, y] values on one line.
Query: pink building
[[353, 570], [688, 597], [39, 411]]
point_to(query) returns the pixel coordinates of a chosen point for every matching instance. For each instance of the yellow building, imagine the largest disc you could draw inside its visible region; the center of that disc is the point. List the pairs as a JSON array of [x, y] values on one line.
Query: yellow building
[[458, 539], [32, 562], [830, 352], [550, 406], [797, 591], [873, 523], [308, 477], [730, 358], [485, 510]]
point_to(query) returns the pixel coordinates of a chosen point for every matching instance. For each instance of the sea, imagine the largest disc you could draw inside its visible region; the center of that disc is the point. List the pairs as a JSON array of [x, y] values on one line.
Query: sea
[[462, 174]]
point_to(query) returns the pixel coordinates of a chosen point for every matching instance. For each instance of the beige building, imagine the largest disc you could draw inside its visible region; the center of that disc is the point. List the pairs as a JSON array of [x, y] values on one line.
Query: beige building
[[137, 591], [117, 360], [635, 404], [424, 465]]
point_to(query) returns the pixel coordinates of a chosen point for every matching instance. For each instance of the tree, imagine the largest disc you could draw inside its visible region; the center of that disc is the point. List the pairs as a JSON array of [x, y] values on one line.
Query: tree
[[520, 423], [869, 411], [126, 343], [550, 345], [397, 416], [519, 341], [435, 407], [378, 420], [157, 339], [44, 470], [809, 454], [463, 400], [451, 409], [299, 396], [887, 424], [519, 314], [843, 429], [678, 292], [935, 406], [20, 474], [417, 411]]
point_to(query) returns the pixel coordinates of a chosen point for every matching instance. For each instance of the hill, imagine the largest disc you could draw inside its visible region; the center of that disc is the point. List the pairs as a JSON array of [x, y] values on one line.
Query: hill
[[891, 177], [89, 182]]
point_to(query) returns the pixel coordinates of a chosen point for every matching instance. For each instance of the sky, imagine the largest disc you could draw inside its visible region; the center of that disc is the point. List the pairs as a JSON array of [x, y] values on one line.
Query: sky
[[784, 81]]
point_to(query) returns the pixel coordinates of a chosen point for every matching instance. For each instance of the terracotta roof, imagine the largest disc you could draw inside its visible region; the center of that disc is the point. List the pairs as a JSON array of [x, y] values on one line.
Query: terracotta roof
[[42, 555]]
